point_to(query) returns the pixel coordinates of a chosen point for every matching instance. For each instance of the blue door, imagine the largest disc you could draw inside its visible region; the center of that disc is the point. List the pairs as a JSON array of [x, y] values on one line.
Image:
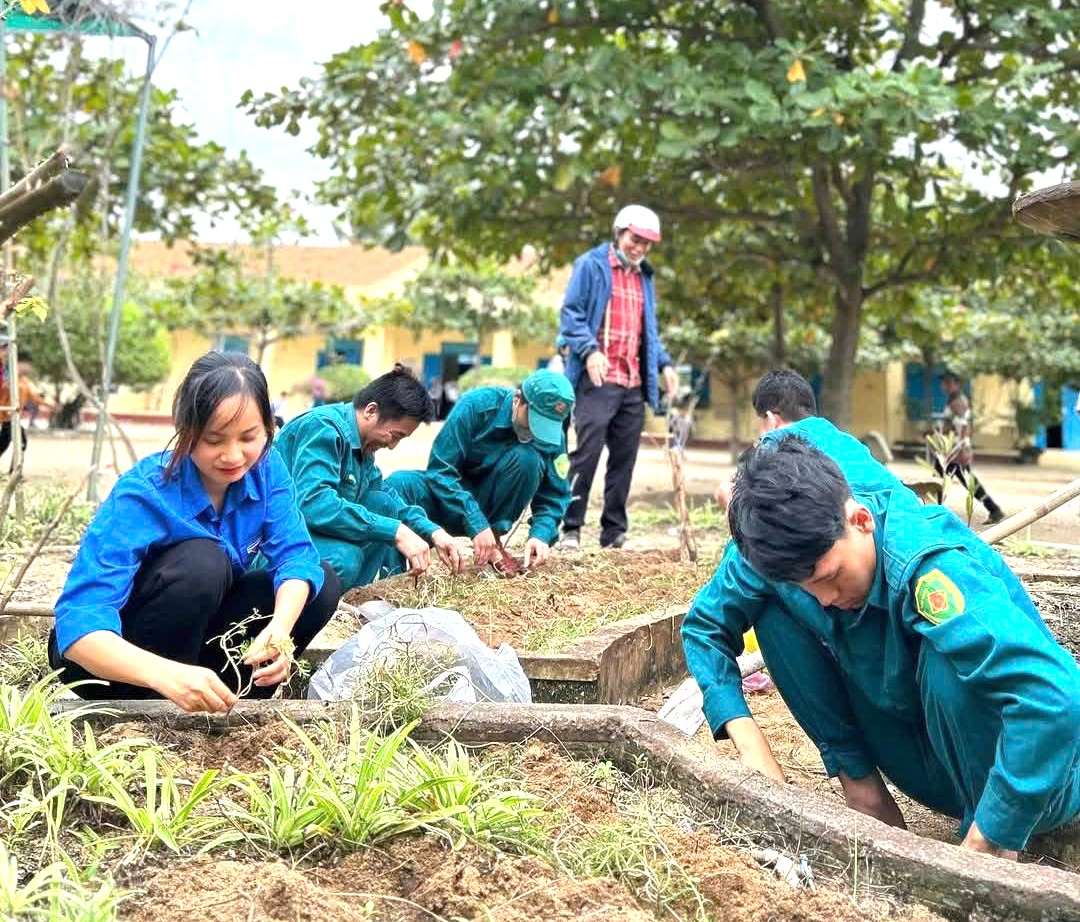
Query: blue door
[[1070, 419]]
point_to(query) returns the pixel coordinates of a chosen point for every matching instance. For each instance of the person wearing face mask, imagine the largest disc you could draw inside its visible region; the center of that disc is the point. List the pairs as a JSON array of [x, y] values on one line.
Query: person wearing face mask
[[360, 526], [615, 363], [501, 450]]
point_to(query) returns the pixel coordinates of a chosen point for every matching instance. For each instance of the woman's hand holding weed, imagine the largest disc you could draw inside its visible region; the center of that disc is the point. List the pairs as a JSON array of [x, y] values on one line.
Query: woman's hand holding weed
[[194, 689], [271, 648]]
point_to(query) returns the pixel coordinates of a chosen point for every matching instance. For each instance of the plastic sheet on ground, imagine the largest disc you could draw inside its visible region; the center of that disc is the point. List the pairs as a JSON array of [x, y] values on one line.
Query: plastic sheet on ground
[[471, 671]]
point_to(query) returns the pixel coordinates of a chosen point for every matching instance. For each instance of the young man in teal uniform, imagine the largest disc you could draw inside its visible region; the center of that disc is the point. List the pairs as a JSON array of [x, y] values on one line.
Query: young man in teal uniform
[[359, 525], [949, 681], [500, 450], [738, 598]]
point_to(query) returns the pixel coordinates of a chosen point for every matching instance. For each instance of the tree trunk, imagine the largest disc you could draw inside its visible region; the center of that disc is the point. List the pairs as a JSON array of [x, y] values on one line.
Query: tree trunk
[[840, 370], [733, 390], [776, 305]]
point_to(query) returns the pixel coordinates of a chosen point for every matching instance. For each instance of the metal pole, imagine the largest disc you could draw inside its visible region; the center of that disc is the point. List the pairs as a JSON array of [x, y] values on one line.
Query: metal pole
[[8, 265], [121, 266]]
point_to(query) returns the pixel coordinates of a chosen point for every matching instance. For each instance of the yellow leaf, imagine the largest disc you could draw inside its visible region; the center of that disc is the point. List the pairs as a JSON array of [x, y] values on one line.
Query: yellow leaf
[[838, 118], [612, 176], [796, 73], [818, 111], [416, 52], [553, 15]]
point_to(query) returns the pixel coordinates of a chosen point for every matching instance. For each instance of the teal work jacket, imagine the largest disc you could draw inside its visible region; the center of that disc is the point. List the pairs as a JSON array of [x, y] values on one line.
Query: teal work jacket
[[730, 603], [989, 631], [476, 433], [332, 474]]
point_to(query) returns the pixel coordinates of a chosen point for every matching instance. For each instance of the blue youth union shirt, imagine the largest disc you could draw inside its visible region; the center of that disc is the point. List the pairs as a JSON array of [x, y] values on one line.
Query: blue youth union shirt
[[146, 513]]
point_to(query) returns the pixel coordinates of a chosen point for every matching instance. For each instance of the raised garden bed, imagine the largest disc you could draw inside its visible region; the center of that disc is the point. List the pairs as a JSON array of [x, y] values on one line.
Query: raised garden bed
[[719, 804], [589, 627]]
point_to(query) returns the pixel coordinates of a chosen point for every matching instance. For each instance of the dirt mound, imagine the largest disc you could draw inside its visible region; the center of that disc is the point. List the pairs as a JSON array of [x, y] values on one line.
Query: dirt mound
[[586, 588]]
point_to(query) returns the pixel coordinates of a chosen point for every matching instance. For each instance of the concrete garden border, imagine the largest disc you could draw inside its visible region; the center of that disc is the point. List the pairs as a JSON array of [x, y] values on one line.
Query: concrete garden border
[[843, 845], [617, 664]]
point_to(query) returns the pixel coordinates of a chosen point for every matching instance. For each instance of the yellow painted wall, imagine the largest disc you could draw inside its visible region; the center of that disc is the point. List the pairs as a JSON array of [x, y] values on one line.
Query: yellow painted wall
[[184, 348]]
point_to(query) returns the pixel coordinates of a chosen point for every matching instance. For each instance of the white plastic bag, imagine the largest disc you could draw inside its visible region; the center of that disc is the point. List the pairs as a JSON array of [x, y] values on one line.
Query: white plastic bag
[[477, 672]]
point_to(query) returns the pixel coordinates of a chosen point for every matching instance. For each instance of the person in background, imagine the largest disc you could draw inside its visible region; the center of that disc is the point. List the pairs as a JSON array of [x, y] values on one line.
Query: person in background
[[502, 450], [361, 526], [557, 363], [958, 420], [166, 565], [615, 362], [27, 396]]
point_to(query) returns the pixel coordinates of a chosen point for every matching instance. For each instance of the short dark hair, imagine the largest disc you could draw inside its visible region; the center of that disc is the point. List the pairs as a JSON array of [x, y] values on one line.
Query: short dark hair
[[785, 393], [211, 379], [787, 507], [397, 395], [950, 376]]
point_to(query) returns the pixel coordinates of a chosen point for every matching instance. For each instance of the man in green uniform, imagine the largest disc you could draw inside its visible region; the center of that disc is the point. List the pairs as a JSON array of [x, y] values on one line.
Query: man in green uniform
[[500, 450], [738, 598], [947, 678], [360, 526]]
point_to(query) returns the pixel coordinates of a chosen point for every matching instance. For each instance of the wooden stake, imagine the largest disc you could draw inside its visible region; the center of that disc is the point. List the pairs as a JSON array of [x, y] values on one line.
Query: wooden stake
[[1033, 513]]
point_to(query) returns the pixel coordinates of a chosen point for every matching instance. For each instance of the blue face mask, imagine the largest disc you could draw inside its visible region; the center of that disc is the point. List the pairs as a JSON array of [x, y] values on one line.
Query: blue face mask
[[623, 259]]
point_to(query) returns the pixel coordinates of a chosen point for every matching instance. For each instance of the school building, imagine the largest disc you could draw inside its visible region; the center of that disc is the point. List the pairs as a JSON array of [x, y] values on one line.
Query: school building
[[889, 401]]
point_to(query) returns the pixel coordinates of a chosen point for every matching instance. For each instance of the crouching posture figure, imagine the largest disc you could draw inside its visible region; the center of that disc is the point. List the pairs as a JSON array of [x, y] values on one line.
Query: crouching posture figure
[[926, 659], [169, 562], [501, 450]]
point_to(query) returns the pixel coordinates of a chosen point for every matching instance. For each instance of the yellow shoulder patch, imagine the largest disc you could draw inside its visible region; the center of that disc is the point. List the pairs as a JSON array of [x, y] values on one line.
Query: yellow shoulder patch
[[936, 597], [562, 465]]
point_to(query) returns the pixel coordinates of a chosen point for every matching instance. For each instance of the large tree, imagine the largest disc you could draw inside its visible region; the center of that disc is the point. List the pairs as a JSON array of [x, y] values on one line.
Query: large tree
[[836, 132]]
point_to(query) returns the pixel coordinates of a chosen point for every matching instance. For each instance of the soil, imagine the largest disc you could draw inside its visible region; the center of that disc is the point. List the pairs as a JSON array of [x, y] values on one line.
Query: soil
[[418, 877], [589, 588]]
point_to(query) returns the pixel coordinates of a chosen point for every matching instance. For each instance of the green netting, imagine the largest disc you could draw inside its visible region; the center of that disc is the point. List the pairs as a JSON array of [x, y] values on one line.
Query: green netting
[[83, 16]]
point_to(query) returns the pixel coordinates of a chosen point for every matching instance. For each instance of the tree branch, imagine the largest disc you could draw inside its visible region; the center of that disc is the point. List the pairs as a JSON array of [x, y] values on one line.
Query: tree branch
[[58, 192], [829, 222], [45, 170], [911, 46], [770, 18]]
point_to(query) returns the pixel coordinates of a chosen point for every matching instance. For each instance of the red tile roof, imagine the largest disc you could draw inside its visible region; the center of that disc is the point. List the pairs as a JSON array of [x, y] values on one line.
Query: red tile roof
[[333, 265]]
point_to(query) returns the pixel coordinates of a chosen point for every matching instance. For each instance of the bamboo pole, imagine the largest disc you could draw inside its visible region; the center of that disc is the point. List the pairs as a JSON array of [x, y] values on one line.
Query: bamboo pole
[[1025, 517]]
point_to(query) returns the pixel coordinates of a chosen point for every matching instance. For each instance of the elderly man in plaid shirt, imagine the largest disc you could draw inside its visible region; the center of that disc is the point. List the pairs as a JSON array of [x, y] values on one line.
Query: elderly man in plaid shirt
[[615, 363]]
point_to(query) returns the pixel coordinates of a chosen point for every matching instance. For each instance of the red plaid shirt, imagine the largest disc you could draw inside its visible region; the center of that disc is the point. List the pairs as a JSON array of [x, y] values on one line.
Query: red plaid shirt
[[620, 336]]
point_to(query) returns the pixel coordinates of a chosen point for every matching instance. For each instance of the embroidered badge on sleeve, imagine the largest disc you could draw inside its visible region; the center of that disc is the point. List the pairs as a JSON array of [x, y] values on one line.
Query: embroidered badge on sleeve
[[936, 597], [562, 465]]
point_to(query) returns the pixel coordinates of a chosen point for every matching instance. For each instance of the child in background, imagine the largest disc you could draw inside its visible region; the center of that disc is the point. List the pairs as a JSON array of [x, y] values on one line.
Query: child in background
[[166, 564]]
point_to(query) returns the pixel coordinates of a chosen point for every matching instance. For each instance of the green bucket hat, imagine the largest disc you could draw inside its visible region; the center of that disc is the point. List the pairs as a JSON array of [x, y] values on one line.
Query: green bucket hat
[[550, 398]]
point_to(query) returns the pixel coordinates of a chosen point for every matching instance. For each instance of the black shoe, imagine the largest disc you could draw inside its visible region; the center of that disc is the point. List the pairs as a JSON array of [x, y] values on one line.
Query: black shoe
[[995, 515], [618, 540]]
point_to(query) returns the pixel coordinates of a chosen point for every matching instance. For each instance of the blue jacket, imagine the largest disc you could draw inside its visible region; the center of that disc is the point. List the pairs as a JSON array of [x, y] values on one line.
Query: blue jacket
[[144, 513], [582, 318]]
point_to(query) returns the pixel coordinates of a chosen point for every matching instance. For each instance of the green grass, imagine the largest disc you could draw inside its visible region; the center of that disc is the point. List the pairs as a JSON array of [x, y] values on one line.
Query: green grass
[[1020, 547], [42, 505], [24, 660], [704, 516]]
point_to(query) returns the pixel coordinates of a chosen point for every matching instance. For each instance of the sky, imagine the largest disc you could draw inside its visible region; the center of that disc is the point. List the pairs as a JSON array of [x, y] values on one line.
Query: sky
[[261, 46]]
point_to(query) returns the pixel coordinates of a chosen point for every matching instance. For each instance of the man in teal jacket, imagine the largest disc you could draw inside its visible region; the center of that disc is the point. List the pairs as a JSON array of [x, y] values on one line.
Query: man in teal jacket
[[957, 689], [359, 525], [500, 450], [738, 598]]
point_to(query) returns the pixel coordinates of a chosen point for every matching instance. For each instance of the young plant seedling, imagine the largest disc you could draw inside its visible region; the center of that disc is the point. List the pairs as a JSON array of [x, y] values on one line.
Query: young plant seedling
[[235, 644]]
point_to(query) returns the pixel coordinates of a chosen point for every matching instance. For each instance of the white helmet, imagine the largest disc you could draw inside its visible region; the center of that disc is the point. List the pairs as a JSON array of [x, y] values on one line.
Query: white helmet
[[641, 220]]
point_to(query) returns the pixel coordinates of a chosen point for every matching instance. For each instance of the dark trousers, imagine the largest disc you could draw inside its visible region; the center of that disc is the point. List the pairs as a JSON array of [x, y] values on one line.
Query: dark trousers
[[185, 596], [5, 436], [610, 416], [963, 474]]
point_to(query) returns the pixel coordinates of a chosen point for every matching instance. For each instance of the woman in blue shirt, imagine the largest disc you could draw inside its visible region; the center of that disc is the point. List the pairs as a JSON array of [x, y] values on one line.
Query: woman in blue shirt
[[166, 565]]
